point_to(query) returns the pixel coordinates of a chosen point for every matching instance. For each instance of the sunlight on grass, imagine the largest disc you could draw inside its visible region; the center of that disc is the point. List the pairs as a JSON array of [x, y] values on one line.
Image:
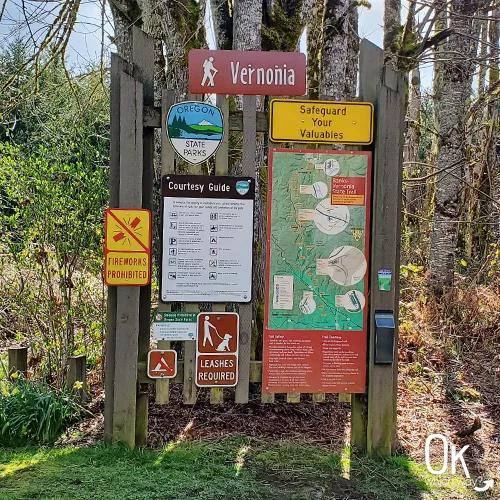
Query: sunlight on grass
[[4, 363], [240, 459], [16, 466], [345, 462], [10, 468], [173, 444], [233, 468]]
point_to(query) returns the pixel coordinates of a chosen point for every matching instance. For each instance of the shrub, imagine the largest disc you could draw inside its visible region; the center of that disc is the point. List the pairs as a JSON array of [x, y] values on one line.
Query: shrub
[[34, 412]]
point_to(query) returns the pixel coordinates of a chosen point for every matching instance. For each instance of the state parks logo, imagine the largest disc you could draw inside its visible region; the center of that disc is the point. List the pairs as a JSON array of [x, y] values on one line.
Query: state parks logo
[[195, 130]]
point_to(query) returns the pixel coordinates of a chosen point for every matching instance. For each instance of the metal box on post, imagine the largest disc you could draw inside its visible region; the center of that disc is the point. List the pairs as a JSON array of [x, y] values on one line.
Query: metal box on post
[[384, 337]]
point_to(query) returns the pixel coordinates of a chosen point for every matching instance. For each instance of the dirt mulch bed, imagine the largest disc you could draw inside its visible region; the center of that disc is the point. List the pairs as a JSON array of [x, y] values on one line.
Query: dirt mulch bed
[[306, 422], [428, 405]]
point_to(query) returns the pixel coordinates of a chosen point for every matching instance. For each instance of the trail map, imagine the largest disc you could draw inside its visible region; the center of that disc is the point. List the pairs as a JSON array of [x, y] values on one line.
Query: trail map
[[316, 296], [317, 249]]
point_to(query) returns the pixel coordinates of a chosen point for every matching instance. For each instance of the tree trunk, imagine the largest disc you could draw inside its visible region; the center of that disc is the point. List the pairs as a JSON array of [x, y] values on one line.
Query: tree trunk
[[411, 151], [223, 24], [494, 145], [483, 29], [457, 74], [247, 24], [392, 26], [123, 33], [437, 92], [179, 24], [314, 42], [334, 51], [475, 174], [351, 71]]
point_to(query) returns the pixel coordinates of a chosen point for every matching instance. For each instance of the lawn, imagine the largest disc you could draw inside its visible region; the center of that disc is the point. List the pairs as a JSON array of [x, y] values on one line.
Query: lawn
[[236, 468]]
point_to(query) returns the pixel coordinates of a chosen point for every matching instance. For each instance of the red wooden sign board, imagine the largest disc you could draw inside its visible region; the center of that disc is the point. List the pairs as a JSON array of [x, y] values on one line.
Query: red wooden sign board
[[247, 72], [316, 306]]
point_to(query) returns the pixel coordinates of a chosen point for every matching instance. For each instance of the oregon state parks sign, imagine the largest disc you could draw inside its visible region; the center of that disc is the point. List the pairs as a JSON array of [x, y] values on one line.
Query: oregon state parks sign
[[247, 72], [195, 130]]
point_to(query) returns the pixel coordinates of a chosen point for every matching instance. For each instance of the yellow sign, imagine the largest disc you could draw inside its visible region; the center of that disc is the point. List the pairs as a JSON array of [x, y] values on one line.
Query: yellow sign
[[127, 247], [127, 268], [128, 230], [321, 122]]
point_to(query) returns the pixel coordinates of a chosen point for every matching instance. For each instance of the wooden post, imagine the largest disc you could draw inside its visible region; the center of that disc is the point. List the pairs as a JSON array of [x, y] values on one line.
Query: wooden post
[[245, 310], [77, 372], [189, 387], [118, 65], [167, 167], [128, 297], [267, 397], [386, 89], [221, 168], [143, 59], [18, 360]]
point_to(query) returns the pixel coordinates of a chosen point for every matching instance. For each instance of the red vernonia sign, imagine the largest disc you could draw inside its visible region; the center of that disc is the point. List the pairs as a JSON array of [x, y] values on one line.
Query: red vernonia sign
[[247, 72], [318, 241]]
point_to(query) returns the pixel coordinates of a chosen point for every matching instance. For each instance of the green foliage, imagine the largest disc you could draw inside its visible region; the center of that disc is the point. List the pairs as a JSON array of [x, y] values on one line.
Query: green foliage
[[54, 141], [283, 29], [68, 117], [33, 412], [51, 222]]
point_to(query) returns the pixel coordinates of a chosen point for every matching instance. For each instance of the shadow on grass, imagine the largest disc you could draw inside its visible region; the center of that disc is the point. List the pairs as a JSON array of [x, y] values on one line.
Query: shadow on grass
[[238, 468]]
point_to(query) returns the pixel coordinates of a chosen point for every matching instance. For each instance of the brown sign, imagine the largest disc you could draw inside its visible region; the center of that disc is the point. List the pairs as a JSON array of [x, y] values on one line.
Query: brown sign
[[162, 364], [216, 371], [247, 72], [217, 349]]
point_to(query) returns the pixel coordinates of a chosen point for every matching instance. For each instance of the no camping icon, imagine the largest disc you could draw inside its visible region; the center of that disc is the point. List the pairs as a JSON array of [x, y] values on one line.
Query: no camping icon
[[162, 363]]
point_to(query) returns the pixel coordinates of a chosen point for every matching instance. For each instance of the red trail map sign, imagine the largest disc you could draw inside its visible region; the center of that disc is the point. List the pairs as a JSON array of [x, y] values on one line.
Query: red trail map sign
[[315, 323]]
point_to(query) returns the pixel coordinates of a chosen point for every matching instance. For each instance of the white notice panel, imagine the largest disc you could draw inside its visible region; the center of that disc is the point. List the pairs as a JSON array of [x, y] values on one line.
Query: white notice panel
[[207, 238]]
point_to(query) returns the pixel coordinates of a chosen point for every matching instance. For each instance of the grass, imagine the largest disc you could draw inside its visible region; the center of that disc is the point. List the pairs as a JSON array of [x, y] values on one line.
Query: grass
[[226, 469]]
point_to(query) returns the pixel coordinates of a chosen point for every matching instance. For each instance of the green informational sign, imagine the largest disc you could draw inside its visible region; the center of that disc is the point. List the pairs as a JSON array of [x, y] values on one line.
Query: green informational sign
[[174, 325], [318, 240]]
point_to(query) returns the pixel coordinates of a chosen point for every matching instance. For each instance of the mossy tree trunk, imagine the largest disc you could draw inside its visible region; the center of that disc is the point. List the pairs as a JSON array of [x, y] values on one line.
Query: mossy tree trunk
[[457, 75], [222, 16], [314, 43], [334, 50], [179, 24], [352, 65], [392, 30]]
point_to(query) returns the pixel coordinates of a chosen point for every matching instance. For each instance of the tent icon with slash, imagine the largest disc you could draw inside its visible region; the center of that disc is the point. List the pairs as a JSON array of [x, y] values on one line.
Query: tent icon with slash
[[162, 363]]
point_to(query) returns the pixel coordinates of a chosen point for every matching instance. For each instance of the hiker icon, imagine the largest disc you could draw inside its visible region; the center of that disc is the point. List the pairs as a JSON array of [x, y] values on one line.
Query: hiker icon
[[206, 331], [209, 72]]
